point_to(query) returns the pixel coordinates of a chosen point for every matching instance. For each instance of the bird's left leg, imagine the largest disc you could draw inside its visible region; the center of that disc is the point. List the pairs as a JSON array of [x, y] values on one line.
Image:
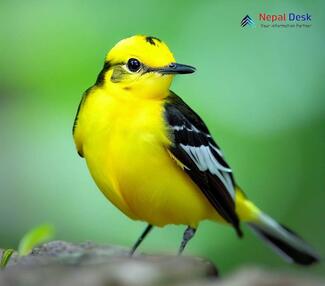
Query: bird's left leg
[[140, 239], [188, 234]]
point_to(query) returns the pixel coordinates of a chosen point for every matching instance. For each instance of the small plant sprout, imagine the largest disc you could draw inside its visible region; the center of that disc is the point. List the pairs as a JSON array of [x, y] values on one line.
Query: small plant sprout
[[32, 238], [5, 257]]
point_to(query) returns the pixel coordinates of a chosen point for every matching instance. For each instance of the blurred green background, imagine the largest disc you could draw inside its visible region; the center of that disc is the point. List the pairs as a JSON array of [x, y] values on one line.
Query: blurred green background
[[261, 92]]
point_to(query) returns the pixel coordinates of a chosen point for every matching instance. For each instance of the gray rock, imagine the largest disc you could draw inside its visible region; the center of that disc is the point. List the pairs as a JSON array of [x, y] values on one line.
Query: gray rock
[[63, 263], [260, 277]]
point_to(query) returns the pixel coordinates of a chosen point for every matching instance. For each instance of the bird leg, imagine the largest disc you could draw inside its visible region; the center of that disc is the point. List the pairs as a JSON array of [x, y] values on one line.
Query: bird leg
[[188, 234], [140, 239]]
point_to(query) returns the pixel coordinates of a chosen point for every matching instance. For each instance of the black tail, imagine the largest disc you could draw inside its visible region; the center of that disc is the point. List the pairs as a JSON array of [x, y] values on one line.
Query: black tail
[[284, 241]]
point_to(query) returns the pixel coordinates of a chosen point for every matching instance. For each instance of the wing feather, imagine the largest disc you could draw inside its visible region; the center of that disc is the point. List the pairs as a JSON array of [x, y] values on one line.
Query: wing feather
[[194, 148]]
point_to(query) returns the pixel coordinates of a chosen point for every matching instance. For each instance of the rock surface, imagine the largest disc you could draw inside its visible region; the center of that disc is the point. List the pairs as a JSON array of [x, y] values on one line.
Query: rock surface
[[63, 263]]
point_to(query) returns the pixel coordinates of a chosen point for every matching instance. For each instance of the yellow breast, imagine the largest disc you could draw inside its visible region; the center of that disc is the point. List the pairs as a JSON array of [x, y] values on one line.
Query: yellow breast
[[124, 142]]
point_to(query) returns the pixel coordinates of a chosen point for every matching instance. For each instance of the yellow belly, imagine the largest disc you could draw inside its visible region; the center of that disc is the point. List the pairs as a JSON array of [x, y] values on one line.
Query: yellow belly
[[125, 147], [148, 182]]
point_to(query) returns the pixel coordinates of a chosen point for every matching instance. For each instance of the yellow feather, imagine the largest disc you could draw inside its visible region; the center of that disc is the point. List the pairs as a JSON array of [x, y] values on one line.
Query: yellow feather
[[122, 134]]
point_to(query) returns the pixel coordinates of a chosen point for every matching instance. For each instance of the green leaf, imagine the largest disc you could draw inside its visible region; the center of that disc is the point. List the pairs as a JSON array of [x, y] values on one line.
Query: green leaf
[[5, 257], [34, 237]]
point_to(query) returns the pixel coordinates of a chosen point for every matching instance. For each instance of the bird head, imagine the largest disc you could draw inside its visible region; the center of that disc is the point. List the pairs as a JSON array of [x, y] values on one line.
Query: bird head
[[142, 65]]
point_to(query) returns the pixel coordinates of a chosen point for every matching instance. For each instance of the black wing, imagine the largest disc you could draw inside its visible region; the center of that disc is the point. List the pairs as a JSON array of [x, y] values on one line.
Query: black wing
[[201, 158]]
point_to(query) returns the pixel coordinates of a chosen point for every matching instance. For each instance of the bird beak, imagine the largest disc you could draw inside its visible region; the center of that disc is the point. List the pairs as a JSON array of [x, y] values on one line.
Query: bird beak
[[175, 68]]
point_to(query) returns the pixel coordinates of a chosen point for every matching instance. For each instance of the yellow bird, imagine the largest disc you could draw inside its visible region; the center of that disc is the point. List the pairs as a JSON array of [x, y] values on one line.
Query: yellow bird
[[154, 158]]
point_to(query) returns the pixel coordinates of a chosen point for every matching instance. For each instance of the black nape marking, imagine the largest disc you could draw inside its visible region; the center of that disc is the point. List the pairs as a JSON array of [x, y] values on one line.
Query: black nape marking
[[150, 40], [101, 75]]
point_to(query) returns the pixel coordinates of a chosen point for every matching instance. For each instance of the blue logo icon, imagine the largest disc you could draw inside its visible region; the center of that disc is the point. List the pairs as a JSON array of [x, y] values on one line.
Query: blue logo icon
[[247, 21]]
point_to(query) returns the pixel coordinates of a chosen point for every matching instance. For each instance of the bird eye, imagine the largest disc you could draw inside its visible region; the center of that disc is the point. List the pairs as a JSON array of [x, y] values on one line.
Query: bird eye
[[133, 65]]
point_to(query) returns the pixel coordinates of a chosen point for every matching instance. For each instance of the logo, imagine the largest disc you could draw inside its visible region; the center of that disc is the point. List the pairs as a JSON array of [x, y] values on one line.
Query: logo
[[247, 21], [279, 20]]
